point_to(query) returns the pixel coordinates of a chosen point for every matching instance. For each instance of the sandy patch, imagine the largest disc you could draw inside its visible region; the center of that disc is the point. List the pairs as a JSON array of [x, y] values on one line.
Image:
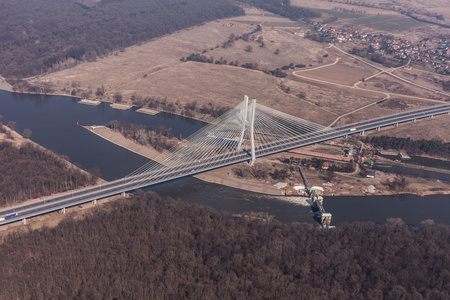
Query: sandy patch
[[4, 85]]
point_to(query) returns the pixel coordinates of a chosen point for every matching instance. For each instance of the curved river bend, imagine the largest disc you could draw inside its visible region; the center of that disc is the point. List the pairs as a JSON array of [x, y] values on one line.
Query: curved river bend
[[53, 122]]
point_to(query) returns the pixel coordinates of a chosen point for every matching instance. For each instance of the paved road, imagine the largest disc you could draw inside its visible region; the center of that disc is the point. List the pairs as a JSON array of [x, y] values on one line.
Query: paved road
[[126, 184]]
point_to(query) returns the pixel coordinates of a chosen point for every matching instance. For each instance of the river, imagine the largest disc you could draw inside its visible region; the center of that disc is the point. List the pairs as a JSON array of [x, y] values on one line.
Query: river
[[53, 122]]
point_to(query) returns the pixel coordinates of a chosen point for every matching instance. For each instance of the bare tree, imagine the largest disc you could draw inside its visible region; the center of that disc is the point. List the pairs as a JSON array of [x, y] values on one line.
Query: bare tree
[[12, 125], [26, 133], [117, 97]]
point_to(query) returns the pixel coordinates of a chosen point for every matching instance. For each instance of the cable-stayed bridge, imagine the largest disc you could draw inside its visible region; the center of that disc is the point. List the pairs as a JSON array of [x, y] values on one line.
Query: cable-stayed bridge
[[247, 132]]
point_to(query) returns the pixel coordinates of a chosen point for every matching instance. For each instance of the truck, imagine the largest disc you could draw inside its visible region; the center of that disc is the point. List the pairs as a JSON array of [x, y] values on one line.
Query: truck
[[11, 216], [2, 219]]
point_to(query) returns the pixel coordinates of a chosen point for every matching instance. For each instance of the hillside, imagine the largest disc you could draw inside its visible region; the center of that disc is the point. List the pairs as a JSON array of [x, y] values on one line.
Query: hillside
[[150, 247]]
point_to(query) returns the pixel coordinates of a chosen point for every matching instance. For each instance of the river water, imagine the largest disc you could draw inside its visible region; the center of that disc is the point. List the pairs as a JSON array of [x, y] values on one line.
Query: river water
[[53, 122]]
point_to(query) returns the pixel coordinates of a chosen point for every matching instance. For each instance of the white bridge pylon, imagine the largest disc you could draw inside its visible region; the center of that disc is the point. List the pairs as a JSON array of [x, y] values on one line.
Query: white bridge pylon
[[241, 130]]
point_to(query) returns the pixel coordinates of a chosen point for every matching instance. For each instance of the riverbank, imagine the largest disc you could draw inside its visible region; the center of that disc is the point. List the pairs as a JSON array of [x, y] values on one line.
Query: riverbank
[[342, 185], [5, 86]]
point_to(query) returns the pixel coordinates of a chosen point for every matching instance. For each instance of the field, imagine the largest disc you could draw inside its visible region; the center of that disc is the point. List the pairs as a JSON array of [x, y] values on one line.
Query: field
[[341, 73], [436, 128], [326, 89], [389, 23], [421, 8], [339, 14]]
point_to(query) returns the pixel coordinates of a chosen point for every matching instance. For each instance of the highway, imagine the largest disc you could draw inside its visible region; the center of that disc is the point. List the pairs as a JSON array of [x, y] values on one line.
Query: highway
[[165, 174]]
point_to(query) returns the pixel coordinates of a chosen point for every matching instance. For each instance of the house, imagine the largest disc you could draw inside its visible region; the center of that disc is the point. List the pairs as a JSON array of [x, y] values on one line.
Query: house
[[370, 173]]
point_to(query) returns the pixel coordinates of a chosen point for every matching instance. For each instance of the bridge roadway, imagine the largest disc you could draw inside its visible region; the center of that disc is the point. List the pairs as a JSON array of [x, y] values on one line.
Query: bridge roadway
[[127, 184]]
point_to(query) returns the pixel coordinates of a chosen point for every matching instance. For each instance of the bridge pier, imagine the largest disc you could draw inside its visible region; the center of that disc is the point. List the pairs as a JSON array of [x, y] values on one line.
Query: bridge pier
[[94, 202], [63, 210], [431, 117], [244, 122], [378, 128], [325, 220], [414, 121], [396, 125], [252, 132], [362, 132], [24, 221], [123, 194]]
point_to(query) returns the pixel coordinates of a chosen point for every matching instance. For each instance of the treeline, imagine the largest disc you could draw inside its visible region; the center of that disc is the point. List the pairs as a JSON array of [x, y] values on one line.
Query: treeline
[[414, 147], [278, 72], [152, 247], [157, 137], [284, 8], [30, 172], [317, 163], [49, 35], [189, 109]]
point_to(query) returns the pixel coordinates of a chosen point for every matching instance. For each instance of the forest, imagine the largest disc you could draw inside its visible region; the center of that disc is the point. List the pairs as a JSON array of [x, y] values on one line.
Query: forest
[[48, 35], [30, 172], [189, 109], [153, 247], [414, 147], [283, 8], [157, 137]]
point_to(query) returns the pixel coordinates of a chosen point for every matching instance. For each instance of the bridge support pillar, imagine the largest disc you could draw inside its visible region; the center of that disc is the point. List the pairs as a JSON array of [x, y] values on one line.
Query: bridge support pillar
[[24, 221], [362, 132], [414, 121], [244, 122], [431, 117], [123, 194], [378, 128], [94, 202], [63, 210], [325, 220], [252, 131], [396, 124]]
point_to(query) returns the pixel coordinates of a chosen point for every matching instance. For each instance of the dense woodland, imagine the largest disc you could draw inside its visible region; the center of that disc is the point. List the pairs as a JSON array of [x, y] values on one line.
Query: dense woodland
[[47, 35], [283, 8], [414, 147], [152, 247], [158, 137], [30, 172], [189, 109]]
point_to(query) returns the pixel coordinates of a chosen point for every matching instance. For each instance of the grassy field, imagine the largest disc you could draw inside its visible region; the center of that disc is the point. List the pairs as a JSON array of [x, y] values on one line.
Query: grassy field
[[339, 14], [426, 129], [388, 22], [421, 8]]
